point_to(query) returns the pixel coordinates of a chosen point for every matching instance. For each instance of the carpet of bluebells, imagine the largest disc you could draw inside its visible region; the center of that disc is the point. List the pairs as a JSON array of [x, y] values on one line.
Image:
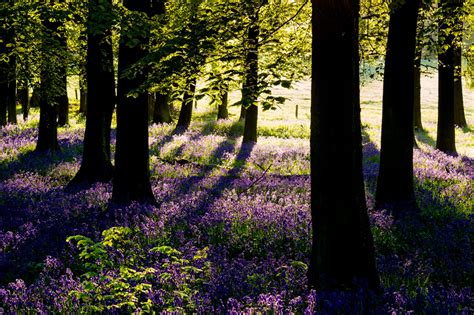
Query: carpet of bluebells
[[230, 234]]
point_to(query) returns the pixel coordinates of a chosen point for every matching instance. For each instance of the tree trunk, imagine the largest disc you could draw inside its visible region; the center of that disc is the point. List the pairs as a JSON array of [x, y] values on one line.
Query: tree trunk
[[250, 87], [83, 101], [222, 112], [186, 112], [445, 139], [132, 174], [11, 71], [49, 89], [11, 95], [63, 105], [342, 251], [161, 112], [395, 181], [417, 123], [24, 99], [459, 116], [96, 165], [35, 97]]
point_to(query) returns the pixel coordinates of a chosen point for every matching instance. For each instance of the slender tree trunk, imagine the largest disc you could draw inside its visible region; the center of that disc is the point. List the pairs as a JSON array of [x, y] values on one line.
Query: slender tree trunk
[[96, 165], [24, 99], [132, 173], [395, 181], [417, 122], [83, 101], [186, 112], [222, 111], [161, 112], [445, 139], [250, 88], [35, 97], [459, 116], [11, 95], [63, 105], [3, 103], [342, 251], [11, 71]]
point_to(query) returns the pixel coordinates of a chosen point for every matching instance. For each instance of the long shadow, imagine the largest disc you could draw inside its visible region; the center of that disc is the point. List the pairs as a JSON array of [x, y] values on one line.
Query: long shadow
[[437, 237], [39, 162], [424, 137]]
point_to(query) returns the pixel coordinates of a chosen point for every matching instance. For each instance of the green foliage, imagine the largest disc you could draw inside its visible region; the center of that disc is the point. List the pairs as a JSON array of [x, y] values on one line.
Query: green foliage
[[121, 270]]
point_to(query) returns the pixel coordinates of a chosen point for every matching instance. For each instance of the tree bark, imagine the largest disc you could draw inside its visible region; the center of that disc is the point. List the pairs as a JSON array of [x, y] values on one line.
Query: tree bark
[[342, 251], [161, 112], [445, 138], [11, 95], [222, 111], [417, 122], [24, 99], [96, 164], [395, 181], [132, 174], [83, 101], [459, 116], [186, 112], [250, 87], [63, 105], [50, 87]]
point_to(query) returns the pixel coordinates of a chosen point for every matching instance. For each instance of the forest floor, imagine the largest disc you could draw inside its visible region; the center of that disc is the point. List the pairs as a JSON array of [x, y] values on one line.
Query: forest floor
[[231, 232]]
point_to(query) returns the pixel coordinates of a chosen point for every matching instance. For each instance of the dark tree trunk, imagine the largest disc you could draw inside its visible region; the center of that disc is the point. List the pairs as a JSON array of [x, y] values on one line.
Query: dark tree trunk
[[50, 87], [222, 111], [132, 173], [459, 116], [10, 67], [243, 112], [63, 101], [3, 102], [11, 95], [445, 139], [161, 111], [186, 112], [35, 97], [250, 87], [24, 99], [417, 123], [343, 250], [83, 101], [395, 181], [3, 74], [96, 165], [48, 124]]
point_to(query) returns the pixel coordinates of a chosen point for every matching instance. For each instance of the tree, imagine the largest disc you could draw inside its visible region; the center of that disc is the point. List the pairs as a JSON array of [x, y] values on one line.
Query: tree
[[222, 111], [132, 174], [7, 65], [448, 39], [161, 110], [96, 165], [250, 84], [459, 115], [342, 251], [51, 77], [186, 111], [395, 180]]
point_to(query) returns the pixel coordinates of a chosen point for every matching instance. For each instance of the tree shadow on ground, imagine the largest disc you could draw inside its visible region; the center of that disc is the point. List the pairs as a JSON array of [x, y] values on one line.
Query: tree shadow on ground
[[39, 162], [436, 239], [423, 136]]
